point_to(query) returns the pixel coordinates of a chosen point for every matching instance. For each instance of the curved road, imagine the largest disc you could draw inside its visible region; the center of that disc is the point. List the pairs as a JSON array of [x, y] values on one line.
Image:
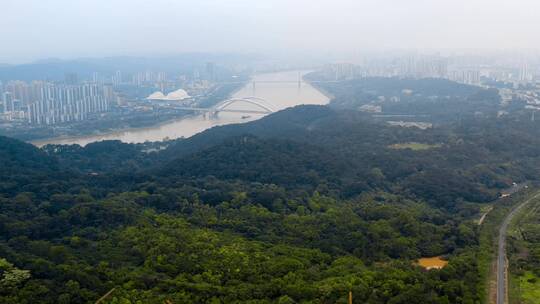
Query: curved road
[[502, 267]]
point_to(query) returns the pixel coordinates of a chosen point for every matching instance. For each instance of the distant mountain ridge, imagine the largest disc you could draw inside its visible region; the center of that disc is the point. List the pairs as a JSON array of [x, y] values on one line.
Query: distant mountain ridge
[[55, 69]]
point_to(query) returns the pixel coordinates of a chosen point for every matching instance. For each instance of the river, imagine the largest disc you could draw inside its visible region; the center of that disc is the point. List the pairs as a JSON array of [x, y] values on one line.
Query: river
[[279, 90]]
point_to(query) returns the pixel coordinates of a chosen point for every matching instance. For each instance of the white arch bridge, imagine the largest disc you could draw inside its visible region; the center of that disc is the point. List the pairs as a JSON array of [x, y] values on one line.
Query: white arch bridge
[[262, 107]]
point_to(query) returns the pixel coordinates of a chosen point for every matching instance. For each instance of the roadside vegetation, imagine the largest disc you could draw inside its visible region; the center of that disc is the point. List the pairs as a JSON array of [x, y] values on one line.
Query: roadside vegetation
[[524, 256], [488, 234]]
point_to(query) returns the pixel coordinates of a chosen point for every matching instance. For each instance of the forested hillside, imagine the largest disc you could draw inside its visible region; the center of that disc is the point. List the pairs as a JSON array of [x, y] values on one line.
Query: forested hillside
[[434, 100], [299, 207]]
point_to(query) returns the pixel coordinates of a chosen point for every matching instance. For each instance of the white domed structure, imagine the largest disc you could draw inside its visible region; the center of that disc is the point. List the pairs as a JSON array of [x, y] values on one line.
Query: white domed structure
[[156, 96], [177, 95]]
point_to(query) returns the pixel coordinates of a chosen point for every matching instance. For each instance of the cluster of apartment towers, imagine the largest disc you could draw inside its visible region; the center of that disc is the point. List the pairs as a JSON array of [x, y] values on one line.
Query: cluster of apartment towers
[[47, 103]]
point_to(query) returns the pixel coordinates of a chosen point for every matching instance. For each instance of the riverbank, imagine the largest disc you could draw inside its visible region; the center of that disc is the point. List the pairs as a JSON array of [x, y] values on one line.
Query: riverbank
[[134, 123], [278, 90], [220, 94], [43, 142], [319, 88]]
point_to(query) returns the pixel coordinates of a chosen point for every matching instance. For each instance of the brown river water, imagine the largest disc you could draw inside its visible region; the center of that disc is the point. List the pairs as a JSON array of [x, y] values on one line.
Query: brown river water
[[279, 90]]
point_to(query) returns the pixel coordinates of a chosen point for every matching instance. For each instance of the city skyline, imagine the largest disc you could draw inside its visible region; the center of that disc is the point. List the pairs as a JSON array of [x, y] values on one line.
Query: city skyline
[[74, 98]]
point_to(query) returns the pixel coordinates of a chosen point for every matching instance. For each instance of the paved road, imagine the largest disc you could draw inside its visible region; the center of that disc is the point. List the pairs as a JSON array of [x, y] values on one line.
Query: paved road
[[502, 266]]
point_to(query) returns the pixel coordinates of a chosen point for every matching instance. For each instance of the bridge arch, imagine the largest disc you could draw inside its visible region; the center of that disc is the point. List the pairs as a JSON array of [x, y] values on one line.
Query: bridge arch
[[259, 102]]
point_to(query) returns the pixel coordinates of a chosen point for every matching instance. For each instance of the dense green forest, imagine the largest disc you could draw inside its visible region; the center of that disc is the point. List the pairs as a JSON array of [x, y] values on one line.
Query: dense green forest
[[301, 206], [433, 100]]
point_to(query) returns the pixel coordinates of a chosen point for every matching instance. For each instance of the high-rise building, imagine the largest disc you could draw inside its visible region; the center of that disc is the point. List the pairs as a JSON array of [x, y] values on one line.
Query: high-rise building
[[161, 77], [466, 76], [8, 102], [108, 93], [2, 105], [440, 68], [63, 103], [117, 78], [20, 90], [211, 71], [524, 75]]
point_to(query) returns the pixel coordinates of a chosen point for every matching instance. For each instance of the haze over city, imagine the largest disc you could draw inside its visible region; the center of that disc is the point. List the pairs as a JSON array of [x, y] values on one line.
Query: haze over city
[[32, 29], [269, 151]]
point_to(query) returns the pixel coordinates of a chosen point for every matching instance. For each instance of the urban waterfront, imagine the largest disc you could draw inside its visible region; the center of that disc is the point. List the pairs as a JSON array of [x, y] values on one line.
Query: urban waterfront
[[277, 90]]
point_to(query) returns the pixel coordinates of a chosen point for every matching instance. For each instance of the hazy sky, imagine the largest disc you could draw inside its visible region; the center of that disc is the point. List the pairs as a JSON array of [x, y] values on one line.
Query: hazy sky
[[32, 29]]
